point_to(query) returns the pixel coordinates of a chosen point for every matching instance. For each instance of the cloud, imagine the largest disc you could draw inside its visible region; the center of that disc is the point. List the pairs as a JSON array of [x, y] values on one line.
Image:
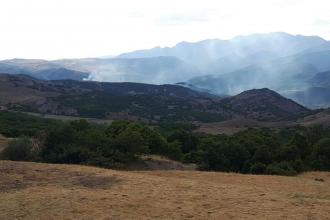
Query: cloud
[[321, 22], [54, 29], [183, 18]]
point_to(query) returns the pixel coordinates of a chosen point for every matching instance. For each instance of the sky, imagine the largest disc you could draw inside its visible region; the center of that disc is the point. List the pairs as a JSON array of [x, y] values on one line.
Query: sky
[[54, 29]]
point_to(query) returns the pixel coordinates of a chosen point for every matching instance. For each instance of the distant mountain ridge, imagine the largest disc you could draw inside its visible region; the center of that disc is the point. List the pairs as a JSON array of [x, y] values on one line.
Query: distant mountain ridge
[[242, 48], [40, 69], [288, 64]]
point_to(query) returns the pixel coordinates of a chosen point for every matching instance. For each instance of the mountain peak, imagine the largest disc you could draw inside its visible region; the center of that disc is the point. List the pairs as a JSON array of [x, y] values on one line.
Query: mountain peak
[[265, 104]]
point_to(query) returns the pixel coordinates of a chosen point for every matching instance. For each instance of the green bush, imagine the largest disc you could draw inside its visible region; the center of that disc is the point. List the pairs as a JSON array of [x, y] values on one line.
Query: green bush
[[321, 155], [258, 168], [259, 151], [173, 151], [19, 149], [281, 168]]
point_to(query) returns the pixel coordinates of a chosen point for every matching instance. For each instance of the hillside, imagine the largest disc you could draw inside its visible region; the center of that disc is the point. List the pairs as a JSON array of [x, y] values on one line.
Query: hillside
[[264, 105], [132, 101], [47, 191], [137, 101]]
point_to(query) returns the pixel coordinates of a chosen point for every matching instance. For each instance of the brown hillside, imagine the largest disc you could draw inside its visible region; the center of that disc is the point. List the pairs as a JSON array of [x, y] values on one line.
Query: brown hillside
[[47, 191]]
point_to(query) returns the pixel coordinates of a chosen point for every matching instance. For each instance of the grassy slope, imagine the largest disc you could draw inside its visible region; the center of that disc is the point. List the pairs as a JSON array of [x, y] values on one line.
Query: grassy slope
[[47, 191]]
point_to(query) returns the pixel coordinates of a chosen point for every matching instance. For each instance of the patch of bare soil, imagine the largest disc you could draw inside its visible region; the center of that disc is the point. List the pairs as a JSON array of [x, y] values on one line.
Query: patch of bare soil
[[48, 191], [155, 162], [16, 177]]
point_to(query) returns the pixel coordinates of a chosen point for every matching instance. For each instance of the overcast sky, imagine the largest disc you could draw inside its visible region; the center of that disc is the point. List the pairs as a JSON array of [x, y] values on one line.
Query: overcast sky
[[52, 29]]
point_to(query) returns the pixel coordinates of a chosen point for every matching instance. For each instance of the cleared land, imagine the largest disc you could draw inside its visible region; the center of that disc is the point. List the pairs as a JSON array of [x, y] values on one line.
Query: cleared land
[[47, 191]]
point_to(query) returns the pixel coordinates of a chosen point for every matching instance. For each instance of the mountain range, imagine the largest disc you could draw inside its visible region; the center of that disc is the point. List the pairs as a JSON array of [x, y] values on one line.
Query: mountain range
[[295, 66]]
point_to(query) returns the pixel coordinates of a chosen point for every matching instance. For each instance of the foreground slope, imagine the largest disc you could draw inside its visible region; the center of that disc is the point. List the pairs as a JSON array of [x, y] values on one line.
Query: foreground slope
[[47, 191]]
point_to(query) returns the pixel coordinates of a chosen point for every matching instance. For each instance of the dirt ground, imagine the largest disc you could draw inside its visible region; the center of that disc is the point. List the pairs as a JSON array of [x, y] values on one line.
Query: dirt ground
[[47, 191]]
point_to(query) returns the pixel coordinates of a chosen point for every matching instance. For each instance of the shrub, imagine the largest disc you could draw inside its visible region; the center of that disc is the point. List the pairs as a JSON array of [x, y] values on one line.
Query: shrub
[[258, 168], [20, 149], [282, 168], [173, 151], [321, 155]]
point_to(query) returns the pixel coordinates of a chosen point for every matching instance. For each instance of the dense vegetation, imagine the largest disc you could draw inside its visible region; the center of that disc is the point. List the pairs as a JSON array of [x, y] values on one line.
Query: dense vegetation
[[150, 107], [259, 151], [17, 124]]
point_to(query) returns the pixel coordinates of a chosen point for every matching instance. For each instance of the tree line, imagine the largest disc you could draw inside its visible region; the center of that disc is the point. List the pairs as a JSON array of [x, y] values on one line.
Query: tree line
[[259, 151]]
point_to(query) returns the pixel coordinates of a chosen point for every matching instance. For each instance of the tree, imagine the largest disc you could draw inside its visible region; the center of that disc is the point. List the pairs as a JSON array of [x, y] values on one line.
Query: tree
[[20, 149], [321, 155], [301, 144], [258, 168], [130, 143]]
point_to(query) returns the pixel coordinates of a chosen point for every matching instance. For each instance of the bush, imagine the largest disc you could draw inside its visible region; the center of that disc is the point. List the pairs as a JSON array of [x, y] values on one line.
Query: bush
[[258, 168], [173, 151], [20, 149], [282, 168], [321, 155]]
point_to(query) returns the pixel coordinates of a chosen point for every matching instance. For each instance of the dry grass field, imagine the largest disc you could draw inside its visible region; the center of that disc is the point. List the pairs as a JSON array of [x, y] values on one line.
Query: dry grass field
[[48, 191]]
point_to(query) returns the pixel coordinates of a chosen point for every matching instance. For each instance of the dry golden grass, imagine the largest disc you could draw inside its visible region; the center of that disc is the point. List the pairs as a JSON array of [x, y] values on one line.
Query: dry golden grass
[[47, 191]]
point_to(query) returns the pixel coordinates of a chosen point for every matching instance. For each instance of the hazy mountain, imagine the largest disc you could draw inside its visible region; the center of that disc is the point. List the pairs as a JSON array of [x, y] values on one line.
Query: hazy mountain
[[314, 97], [321, 79], [279, 61], [242, 50], [157, 70], [286, 75], [40, 69], [278, 75]]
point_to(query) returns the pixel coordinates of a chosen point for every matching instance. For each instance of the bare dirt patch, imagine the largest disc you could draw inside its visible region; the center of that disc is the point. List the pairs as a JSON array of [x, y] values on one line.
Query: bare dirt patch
[[96, 182], [15, 176], [155, 162]]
